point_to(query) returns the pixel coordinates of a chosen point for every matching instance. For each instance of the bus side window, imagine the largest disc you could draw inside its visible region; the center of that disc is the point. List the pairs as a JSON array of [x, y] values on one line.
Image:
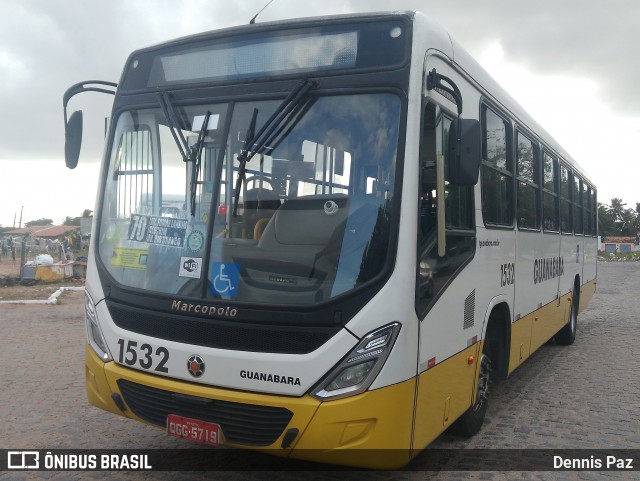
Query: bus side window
[[577, 204], [594, 213], [528, 171], [566, 213], [428, 174], [497, 170], [550, 193], [586, 209]]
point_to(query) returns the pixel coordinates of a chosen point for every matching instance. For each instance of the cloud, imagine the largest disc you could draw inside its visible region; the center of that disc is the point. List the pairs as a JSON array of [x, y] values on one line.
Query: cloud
[[47, 46], [581, 38]]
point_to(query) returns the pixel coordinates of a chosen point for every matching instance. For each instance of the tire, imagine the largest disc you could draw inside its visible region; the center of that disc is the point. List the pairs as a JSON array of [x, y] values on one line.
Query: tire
[[471, 421], [567, 335]]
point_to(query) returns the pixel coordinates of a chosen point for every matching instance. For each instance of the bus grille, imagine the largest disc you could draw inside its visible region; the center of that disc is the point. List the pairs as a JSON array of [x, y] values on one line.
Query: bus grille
[[245, 424]]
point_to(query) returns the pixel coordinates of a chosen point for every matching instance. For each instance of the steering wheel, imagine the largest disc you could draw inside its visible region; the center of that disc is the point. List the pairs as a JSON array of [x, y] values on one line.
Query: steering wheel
[[258, 180]]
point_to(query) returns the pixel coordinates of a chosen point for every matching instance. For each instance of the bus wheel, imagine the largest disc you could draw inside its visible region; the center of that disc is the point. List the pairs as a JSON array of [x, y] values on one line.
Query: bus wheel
[[567, 334], [471, 421]]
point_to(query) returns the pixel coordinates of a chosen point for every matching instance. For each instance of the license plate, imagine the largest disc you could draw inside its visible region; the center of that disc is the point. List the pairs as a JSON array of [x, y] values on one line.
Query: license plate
[[193, 429]]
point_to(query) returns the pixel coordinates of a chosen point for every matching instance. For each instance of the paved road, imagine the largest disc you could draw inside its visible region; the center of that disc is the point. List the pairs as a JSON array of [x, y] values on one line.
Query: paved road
[[583, 396]]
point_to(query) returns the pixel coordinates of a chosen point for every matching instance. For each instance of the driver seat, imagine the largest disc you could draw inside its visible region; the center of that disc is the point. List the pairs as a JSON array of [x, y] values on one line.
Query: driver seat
[[259, 206]]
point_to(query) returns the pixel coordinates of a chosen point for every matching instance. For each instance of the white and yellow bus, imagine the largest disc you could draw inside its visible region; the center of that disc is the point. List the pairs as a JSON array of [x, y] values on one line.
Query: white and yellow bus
[[323, 237]]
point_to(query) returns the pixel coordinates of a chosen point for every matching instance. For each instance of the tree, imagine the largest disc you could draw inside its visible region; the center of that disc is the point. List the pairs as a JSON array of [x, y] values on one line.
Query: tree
[[616, 220], [76, 220], [71, 221], [629, 218], [606, 221], [43, 221], [617, 208]]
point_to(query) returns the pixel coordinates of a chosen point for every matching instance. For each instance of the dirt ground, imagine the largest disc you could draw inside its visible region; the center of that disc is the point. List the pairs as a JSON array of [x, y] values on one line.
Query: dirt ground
[[8, 267], [39, 291]]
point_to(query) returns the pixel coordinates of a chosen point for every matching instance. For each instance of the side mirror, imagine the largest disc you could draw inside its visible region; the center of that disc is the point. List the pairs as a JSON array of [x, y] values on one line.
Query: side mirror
[[463, 152], [73, 126], [73, 139]]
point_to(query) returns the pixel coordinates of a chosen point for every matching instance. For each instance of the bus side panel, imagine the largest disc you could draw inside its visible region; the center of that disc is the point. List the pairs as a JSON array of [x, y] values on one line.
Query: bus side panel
[[544, 322], [443, 394], [586, 293], [549, 320], [572, 253], [520, 341], [537, 284], [589, 271], [590, 253]]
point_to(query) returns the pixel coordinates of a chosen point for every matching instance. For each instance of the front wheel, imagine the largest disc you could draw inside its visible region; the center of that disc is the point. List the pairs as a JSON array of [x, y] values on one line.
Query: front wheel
[[471, 421]]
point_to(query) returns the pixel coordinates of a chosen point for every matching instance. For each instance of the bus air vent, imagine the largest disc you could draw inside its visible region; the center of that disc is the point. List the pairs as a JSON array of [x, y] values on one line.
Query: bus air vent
[[469, 309]]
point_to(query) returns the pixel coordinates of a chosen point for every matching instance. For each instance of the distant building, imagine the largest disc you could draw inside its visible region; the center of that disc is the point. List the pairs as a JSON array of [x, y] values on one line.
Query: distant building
[[617, 245], [43, 237], [46, 231]]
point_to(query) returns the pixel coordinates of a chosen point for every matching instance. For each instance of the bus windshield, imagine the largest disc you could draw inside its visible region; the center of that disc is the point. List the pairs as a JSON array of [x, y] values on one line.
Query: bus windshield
[[313, 217]]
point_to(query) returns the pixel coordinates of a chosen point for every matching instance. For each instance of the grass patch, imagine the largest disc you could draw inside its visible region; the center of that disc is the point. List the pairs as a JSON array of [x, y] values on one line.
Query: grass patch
[[622, 257]]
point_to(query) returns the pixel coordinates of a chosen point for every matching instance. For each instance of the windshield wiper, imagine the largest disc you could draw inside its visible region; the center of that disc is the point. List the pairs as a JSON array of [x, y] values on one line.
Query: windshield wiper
[[286, 116], [189, 154], [194, 156], [176, 131]]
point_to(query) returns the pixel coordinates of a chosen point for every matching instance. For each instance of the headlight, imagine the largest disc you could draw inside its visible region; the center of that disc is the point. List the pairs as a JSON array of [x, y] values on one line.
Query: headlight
[[94, 334], [359, 369]]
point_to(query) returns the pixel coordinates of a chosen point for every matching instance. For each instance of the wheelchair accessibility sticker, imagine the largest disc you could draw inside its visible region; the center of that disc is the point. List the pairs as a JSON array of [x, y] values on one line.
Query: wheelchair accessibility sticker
[[224, 279]]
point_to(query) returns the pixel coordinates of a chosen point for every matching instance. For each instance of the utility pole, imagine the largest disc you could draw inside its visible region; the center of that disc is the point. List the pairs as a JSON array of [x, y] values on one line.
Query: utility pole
[[21, 209]]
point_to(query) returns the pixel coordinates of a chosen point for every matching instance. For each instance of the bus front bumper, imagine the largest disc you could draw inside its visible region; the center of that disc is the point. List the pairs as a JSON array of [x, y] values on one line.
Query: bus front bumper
[[372, 429]]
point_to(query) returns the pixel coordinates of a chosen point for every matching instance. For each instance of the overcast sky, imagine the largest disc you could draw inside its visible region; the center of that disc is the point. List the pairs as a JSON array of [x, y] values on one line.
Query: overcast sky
[[572, 63]]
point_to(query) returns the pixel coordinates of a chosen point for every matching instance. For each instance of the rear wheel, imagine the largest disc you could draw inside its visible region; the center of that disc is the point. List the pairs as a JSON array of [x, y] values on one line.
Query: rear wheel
[[567, 334], [471, 421]]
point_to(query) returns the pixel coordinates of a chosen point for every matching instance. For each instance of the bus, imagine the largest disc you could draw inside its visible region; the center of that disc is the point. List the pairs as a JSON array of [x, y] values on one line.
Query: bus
[[323, 238]]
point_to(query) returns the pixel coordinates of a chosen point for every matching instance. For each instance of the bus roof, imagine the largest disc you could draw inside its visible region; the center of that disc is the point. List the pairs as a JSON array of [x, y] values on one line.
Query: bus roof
[[427, 32], [436, 37]]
